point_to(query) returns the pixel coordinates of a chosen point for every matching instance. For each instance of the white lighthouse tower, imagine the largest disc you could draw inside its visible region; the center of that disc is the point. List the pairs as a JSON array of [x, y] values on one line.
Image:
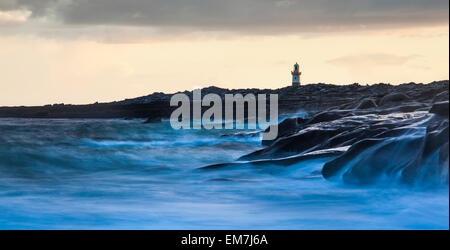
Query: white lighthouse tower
[[296, 76]]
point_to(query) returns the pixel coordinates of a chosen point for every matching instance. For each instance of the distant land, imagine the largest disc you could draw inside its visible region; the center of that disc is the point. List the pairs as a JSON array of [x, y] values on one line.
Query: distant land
[[310, 97]]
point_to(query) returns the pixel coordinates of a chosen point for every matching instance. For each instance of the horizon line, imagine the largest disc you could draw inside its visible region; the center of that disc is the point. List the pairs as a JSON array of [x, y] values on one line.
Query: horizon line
[[156, 92]]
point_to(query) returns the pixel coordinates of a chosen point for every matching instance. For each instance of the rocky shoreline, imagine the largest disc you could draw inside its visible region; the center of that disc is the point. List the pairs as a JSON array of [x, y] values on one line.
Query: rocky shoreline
[[395, 136], [311, 97]]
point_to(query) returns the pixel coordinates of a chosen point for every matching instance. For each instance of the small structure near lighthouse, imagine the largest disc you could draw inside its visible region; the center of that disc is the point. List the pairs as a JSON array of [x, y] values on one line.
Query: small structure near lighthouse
[[296, 76]]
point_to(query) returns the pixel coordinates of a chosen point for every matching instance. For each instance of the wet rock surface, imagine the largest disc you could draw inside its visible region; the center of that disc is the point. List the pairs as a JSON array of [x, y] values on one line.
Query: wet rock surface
[[440, 108], [367, 104], [390, 138]]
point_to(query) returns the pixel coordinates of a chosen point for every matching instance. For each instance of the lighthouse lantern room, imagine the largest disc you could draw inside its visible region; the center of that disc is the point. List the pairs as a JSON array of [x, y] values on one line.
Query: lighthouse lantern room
[[296, 76]]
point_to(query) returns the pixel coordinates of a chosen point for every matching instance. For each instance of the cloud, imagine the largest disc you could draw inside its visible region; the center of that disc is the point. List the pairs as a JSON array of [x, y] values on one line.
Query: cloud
[[8, 18], [372, 61], [37, 7], [255, 16]]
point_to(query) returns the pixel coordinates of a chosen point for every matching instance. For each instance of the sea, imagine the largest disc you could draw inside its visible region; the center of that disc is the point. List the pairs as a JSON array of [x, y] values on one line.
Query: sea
[[124, 174]]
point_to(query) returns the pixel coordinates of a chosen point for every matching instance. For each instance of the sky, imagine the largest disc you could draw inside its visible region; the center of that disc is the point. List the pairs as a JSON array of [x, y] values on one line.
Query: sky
[[84, 51]]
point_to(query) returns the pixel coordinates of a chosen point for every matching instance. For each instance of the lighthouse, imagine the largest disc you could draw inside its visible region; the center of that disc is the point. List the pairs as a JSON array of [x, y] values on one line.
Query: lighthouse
[[296, 76]]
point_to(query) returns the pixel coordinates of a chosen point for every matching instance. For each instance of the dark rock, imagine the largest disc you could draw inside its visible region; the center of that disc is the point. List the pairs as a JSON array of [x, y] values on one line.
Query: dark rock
[[287, 127], [440, 108], [443, 96], [390, 157], [327, 116], [367, 104], [334, 167], [294, 144], [426, 168], [443, 163], [289, 124], [242, 134], [153, 120], [285, 161], [393, 98]]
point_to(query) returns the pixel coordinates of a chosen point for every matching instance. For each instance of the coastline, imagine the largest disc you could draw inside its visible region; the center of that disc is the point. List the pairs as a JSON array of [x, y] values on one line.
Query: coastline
[[311, 98]]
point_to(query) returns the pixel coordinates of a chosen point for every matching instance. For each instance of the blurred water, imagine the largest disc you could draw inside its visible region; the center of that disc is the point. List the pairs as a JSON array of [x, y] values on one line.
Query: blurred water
[[116, 174]]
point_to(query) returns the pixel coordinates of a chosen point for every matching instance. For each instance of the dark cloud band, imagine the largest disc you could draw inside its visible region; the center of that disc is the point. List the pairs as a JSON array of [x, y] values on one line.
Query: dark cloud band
[[258, 15]]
